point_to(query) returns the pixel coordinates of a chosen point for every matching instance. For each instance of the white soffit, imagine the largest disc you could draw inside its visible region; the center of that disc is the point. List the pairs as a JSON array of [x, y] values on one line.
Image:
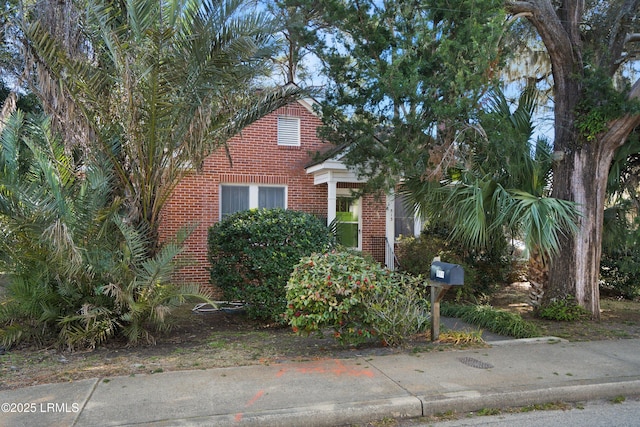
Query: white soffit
[[332, 170]]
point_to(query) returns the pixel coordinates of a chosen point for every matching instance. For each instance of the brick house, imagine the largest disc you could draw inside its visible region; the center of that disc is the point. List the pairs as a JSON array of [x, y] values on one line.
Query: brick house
[[272, 166]]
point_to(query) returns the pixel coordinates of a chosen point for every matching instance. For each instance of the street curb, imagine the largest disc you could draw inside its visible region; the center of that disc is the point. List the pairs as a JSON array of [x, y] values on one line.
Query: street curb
[[537, 340], [322, 415], [473, 401], [330, 415]]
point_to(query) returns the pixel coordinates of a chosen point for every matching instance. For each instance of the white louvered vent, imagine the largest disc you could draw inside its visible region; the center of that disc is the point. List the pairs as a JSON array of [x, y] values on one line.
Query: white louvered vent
[[289, 131]]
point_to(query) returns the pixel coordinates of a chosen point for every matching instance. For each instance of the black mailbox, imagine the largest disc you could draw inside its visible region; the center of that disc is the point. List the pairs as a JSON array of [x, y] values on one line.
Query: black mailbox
[[447, 274]]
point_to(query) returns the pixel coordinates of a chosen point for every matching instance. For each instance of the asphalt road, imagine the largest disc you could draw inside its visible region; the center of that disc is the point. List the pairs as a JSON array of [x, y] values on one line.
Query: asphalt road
[[591, 414]]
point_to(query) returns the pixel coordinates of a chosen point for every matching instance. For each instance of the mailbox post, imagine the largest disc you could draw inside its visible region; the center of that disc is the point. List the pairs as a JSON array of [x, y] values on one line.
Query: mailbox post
[[443, 276]]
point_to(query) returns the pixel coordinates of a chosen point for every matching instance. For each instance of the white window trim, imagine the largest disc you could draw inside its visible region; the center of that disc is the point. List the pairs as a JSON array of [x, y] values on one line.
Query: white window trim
[[253, 194], [288, 131]]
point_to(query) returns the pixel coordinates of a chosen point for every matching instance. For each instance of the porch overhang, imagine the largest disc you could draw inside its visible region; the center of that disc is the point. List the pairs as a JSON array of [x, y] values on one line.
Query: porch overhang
[[333, 170]]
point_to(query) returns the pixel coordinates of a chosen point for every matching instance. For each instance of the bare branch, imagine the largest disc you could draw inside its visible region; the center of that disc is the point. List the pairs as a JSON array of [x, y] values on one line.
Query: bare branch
[[518, 7], [632, 38], [619, 129], [544, 18], [620, 35], [559, 31]]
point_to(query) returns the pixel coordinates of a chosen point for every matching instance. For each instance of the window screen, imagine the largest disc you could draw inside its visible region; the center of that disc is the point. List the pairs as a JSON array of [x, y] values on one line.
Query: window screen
[[271, 197], [233, 198]]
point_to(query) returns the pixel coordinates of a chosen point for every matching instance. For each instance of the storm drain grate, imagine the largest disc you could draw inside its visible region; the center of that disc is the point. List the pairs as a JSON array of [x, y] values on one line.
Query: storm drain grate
[[475, 363]]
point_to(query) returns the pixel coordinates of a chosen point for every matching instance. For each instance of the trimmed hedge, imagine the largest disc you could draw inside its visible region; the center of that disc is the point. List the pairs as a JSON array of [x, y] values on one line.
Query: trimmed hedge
[[252, 254]]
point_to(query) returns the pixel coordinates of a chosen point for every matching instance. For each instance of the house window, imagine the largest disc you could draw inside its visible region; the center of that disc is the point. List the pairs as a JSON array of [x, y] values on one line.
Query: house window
[[235, 198], [271, 197], [289, 131]]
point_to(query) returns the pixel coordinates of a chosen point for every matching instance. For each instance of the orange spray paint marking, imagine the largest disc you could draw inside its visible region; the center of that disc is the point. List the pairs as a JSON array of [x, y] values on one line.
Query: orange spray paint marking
[[253, 400], [338, 370]]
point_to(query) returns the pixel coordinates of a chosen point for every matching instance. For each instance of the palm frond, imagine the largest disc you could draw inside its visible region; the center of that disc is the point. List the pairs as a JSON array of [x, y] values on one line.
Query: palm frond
[[471, 223], [522, 117], [10, 141], [543, 220], [10, 138], [135, 246], [159, 268], [503, 185], [89, 328]]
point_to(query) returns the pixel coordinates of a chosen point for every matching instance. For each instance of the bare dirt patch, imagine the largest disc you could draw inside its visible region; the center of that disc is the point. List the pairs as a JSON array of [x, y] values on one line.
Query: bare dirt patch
[[619, 318], [220, 339], [197, 341]]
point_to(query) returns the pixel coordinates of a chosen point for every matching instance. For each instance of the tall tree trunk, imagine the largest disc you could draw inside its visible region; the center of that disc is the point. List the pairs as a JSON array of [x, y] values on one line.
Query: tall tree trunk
[[574, 271], [580, 175], [582, 167]]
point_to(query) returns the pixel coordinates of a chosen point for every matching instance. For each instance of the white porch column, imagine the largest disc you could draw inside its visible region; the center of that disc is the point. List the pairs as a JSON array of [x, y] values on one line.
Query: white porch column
[[331, 199], [390, 230]]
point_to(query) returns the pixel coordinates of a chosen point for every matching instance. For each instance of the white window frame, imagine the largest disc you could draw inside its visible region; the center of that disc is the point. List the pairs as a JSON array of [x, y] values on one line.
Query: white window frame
[[288, 131], [346, 192], [253, 194]]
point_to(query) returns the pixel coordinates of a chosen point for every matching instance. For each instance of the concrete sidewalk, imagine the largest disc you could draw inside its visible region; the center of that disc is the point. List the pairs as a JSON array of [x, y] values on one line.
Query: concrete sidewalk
[[336, 392]]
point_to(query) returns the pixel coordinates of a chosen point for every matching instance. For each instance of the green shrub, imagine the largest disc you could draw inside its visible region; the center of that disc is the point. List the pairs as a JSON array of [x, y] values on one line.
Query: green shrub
[[252, 254], [484, 271], [620, 262], [565, 309], [400, 310], [620, 274], [355, 297], [497, 321]]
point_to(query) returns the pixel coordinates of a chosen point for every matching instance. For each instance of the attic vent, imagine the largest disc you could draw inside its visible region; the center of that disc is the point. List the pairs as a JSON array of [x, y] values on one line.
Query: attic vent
[[289, 131]]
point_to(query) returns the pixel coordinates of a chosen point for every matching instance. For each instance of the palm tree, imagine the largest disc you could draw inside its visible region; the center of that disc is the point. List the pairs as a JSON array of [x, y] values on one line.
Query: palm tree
[[76, 269], [500, 184], [161, 84]]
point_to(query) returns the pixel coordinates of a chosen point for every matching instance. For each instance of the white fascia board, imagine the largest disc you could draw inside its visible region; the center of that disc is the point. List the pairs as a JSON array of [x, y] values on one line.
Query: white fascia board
[[325, 176], [309, 104], [334, 165], [333, 170]]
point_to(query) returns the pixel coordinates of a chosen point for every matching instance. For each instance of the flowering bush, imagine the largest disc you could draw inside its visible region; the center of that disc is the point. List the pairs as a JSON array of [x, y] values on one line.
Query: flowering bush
[[342, 291]]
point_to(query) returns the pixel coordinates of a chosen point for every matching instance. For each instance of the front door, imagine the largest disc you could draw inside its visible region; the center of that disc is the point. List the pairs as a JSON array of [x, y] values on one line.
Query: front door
[[348, 221]]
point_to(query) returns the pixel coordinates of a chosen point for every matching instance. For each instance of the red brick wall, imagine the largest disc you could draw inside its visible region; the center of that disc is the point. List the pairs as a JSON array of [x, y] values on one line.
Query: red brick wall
[[256, 158], [373, 226]]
